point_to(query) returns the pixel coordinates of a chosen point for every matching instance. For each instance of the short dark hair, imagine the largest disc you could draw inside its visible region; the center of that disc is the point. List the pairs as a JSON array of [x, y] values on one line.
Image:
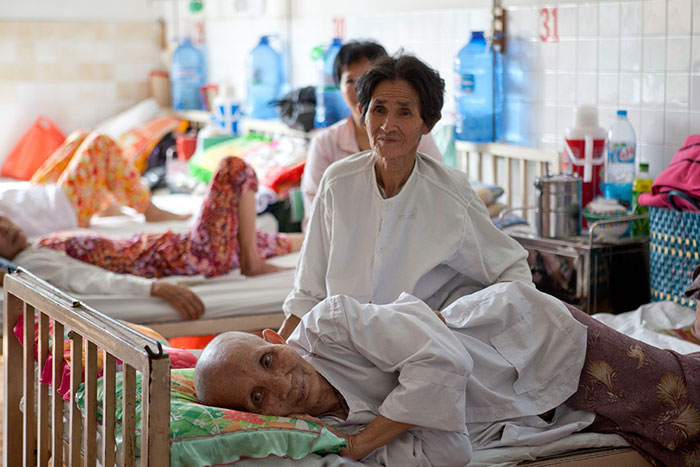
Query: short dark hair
[[424, 79], [354, 52]]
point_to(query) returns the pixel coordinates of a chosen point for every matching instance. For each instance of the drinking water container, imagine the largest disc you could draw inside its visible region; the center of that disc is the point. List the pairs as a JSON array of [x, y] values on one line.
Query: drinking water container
[[478, 91], [584, 149], [264, 80], [187, 75], [330, 106]]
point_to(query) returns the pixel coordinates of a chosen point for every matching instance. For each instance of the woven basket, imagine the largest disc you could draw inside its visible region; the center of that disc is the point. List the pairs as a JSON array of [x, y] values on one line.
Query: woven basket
[[674, 251]]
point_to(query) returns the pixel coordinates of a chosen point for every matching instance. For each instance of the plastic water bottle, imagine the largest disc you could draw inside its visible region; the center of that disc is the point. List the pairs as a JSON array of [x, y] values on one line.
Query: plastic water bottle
[[330, 106], [264, 80], [478, 91], [227, 109], [187, 75], [619, 164], [641, 184]]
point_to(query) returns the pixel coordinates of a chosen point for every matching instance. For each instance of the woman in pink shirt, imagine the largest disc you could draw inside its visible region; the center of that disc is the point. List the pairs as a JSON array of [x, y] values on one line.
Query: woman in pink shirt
[[348, 136]]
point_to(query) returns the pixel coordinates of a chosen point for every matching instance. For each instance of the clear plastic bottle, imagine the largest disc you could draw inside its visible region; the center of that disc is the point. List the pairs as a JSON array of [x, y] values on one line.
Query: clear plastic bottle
[[187, 75], [642, 184], [330, 106], [227, 109], [478, 91], [264, 80], [620, 162]]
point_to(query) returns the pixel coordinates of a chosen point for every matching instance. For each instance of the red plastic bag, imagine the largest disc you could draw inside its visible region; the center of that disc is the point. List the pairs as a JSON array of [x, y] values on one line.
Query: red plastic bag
[[35, 146]]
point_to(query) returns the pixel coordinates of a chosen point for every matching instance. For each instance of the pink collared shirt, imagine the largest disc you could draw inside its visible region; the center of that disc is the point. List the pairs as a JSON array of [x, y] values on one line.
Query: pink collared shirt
[[336, 143]]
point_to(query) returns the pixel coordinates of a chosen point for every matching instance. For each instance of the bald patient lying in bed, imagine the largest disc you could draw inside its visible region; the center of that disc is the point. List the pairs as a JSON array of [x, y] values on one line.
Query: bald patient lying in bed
[[513, 366], [222, 238]]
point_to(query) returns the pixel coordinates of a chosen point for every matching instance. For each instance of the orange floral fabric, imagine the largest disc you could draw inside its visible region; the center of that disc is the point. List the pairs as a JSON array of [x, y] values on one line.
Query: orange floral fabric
[[93, 172]]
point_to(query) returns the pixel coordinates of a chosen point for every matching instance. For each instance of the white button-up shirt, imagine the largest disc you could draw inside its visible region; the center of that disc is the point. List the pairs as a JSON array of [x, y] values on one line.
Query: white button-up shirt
[[434, 239], [507, 354], [335, 143]]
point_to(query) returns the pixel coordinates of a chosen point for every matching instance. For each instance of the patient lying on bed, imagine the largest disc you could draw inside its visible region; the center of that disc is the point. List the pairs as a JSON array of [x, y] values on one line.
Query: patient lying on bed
[[513, 366], [222, 238]]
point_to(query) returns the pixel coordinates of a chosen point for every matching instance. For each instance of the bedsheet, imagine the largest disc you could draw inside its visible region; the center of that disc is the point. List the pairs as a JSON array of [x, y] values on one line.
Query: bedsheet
[[229, 295]]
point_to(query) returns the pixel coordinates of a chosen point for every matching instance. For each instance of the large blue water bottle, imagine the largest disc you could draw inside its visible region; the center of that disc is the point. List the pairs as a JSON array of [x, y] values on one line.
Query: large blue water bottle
[[264, 80], [478, 91], [330, 106], [187, 75]]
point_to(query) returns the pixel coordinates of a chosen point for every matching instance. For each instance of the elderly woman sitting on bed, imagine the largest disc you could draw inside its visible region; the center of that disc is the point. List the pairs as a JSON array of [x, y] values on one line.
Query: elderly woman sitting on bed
[[393, 219], [513, 366], [222, 238]]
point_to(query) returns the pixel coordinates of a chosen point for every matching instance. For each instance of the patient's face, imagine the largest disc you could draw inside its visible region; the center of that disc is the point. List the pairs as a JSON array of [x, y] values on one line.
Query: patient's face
[[267, 378], [12, 238]]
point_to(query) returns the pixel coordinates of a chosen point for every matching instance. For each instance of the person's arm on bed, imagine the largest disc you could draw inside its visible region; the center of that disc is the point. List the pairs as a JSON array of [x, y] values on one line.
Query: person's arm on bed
[[75, 276]]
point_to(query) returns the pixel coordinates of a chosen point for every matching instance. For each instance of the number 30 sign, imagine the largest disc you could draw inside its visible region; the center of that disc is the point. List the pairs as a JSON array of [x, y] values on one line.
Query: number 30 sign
[[548, 25]]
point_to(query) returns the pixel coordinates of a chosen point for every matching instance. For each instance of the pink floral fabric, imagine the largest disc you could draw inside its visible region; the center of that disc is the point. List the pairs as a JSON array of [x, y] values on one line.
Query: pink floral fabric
[[210, 248]]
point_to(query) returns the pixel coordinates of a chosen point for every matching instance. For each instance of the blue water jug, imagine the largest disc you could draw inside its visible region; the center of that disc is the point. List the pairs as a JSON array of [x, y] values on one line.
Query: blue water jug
[[478, 91], [264, 80], [187, 75], [330, 106]]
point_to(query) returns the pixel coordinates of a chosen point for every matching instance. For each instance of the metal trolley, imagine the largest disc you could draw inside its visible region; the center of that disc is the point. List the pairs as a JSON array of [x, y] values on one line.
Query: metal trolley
[[596, 276]]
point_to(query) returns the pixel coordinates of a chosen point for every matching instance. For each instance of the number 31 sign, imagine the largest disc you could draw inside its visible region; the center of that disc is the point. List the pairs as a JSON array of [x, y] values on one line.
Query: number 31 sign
[[548, 25]]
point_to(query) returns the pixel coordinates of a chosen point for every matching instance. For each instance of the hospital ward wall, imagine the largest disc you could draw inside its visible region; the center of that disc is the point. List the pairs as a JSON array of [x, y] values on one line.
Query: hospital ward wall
[[80, 61], [640, 55], [77, 62]]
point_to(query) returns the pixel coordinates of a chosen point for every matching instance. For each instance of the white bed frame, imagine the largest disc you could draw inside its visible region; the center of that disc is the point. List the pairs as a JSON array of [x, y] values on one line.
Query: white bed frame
[[504, 164]]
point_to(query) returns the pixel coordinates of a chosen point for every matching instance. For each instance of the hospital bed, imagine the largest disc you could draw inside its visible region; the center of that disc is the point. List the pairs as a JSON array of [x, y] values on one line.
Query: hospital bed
[[232, 301], [34, 428]]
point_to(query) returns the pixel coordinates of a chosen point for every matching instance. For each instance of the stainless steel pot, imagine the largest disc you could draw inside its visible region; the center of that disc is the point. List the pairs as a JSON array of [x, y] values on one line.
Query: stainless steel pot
[[558, 211]]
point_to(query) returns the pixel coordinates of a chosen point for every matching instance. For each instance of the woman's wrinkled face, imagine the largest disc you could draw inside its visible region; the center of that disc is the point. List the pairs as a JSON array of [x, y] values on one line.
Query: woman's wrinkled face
[[12, 238], [272, 379], [348, 78], [393, 120]]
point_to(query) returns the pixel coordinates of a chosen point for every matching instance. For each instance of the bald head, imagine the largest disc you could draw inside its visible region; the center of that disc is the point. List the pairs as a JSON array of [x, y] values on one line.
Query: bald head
[[244, 372], [218, 365]]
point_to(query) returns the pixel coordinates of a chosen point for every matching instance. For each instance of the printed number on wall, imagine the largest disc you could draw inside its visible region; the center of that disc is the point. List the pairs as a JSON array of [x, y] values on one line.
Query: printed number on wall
[[339, 27], [548, 25]]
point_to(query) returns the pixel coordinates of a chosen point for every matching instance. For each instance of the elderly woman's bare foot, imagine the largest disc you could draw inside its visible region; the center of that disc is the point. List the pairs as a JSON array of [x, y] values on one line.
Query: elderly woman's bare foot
[[155, 214]]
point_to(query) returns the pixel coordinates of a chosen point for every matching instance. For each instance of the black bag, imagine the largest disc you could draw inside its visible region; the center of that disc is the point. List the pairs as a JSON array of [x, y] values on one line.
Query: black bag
[[298, 108]]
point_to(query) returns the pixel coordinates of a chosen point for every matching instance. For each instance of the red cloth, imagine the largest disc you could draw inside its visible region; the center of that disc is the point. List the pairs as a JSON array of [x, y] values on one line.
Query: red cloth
[[682, 174], [33, 148], [279, 178]]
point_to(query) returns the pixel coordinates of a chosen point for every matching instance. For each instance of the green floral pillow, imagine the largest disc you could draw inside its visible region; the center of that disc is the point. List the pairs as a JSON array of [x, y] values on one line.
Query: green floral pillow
[[201, 435]]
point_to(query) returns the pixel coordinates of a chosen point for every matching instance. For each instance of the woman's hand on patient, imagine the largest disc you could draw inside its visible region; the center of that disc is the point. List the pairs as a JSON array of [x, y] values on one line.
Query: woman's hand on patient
[[186, 302]]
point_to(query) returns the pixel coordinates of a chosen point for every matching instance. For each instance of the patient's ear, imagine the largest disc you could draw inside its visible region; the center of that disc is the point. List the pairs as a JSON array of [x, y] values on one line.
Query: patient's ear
[[272, 337]]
